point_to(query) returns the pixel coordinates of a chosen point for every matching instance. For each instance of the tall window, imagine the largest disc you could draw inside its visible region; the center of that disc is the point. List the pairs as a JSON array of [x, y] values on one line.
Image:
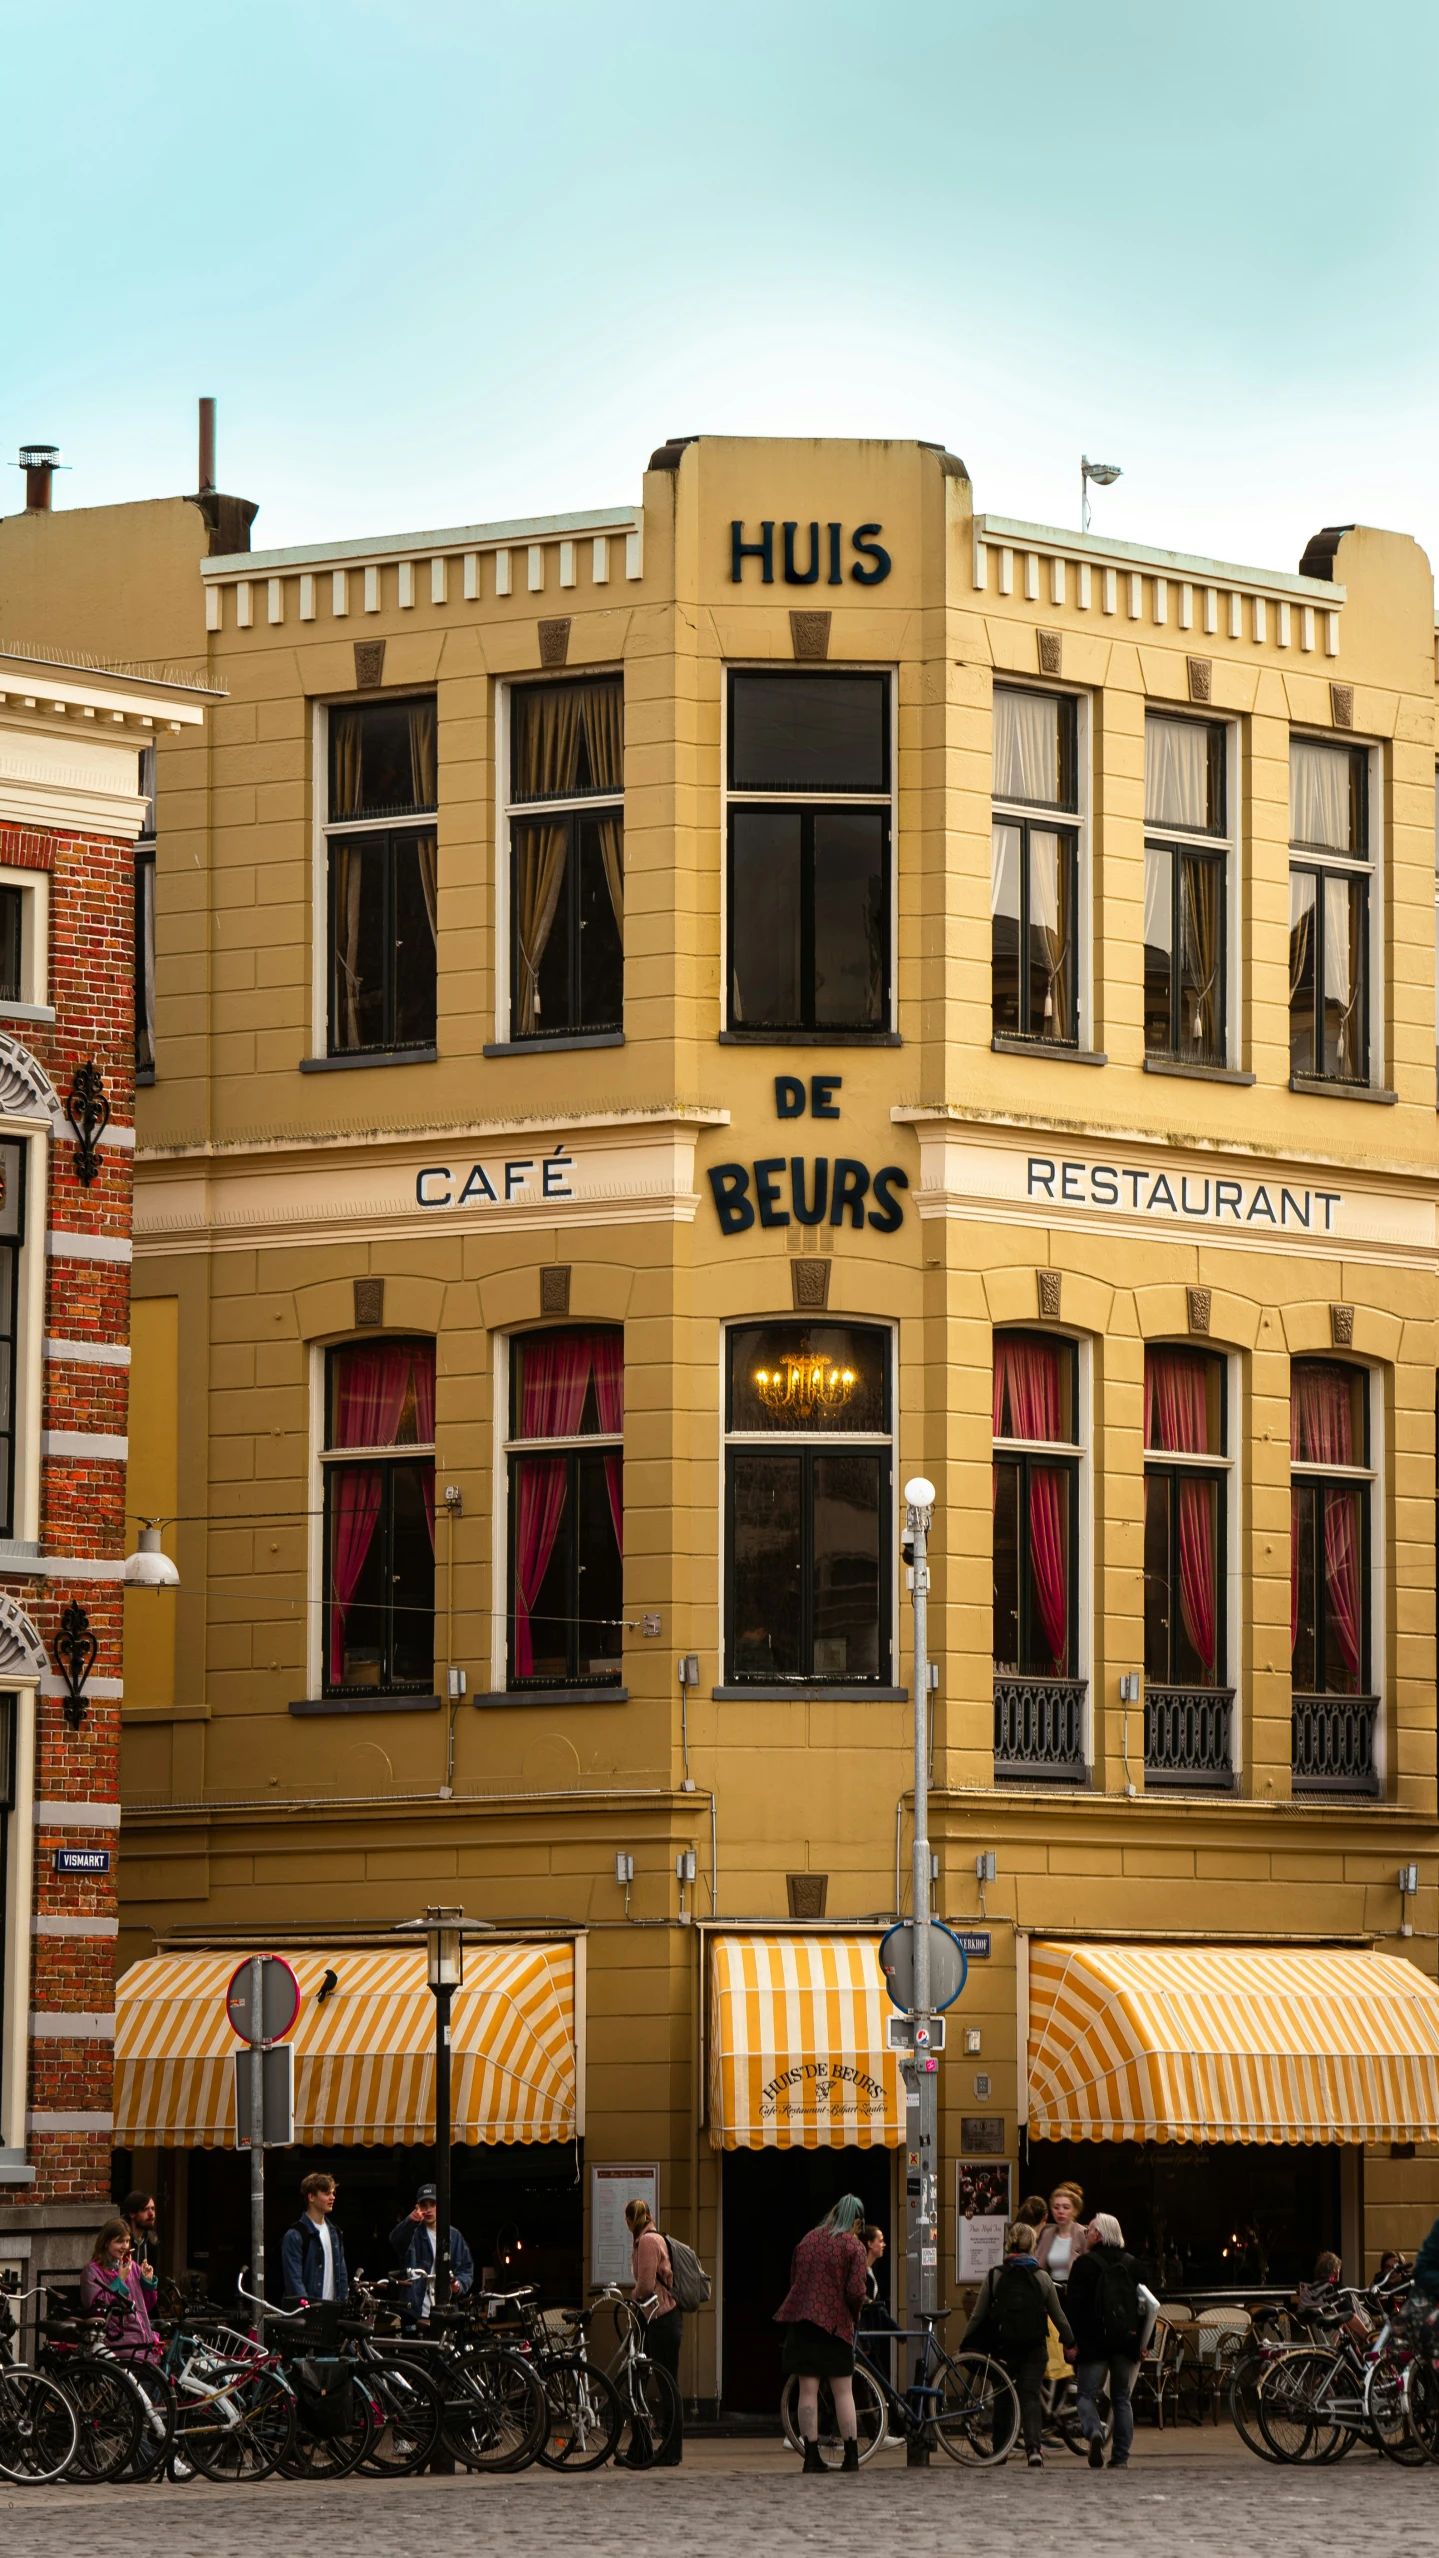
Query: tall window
[[12, 1237], [383, 875], [1185, 1483], [1034, 891], [809, 1498], [1036, 1505], [379, 1463], [567, 853], [1186, 890], [1328, 911], [809, 836], [566, 1460], [10, 948], [1329, 1505]]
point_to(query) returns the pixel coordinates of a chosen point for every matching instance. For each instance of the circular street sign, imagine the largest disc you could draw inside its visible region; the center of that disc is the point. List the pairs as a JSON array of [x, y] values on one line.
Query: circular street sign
[[279, 2000], [948, 1965]]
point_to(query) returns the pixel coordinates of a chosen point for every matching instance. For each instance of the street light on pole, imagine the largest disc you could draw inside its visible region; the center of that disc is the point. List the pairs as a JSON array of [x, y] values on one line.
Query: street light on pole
[[444, 1931], [921, 2071]]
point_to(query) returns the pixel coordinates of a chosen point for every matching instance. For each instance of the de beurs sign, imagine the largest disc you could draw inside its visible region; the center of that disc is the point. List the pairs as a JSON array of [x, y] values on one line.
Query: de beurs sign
[[839, 1187]]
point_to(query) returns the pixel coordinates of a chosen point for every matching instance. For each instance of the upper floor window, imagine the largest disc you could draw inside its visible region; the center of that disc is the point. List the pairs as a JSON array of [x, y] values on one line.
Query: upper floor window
[[1329, 1505], [1185, 1518], [1034, 889], [809, 851], [1187, 856], [1329, 876], [808, 1496], [383, 875], [379, 1467], [12, 1237], [13, 902], [1036, 1505], [566, 1469], [567, 855]]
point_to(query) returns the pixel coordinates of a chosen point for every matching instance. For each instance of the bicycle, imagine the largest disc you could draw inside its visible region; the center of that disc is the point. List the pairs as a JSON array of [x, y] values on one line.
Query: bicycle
[[586, 2413], [39, 2430], [650, 2414], [966, 2404], [1317, 2401]]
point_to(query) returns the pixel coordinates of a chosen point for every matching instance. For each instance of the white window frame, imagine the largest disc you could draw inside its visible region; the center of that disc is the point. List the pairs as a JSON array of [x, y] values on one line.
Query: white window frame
[[506, 814], [19, 1933], [33, 1003], [1372, 868], [1374, 1476], [1081, 1448], [506, 1447], [1230, 843], [1228, 1468], [321, 1457], [889, 1027], [320, 833], [1077, 821]]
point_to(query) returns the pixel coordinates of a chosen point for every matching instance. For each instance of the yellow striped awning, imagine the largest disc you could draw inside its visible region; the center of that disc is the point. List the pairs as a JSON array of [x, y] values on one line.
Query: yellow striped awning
[[364, 2056], [797, 2056], [1230, 2043]]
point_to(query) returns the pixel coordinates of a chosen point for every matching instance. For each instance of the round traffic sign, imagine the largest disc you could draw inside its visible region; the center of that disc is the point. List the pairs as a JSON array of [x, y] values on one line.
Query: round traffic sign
[[948, 1965], [279, 2000]]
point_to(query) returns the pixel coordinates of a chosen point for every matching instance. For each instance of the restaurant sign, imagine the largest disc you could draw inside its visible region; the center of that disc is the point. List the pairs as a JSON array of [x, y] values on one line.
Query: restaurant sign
[[823, 2095]]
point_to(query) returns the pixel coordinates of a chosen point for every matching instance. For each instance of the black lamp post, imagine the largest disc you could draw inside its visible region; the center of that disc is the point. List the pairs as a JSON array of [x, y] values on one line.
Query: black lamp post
[[444, 1932]]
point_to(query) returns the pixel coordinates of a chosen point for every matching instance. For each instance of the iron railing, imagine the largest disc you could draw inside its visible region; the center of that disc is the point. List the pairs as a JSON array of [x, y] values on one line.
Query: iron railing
[[1333, 1748], [1039, 1731], [1187, 1740]]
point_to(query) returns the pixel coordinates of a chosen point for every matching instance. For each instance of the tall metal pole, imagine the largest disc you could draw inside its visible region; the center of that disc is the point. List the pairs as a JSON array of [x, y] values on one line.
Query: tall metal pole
[[442, 2148], [257, 2139], [922, 2160]]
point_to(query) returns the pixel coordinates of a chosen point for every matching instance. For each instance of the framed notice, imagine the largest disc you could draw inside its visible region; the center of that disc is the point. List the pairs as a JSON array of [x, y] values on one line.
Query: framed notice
[[981, 2135], [981, 2216], [610, 2242]]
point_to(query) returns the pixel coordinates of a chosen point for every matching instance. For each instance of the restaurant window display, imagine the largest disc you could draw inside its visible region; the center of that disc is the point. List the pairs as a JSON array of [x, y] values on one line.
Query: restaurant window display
[[566, 1489], [808, 1503], [379, 1468]]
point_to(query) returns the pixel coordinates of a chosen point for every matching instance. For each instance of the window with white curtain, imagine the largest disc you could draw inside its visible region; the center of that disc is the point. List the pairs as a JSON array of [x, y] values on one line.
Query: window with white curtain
[[1187, 887], [1329, 911], [1034, 878]]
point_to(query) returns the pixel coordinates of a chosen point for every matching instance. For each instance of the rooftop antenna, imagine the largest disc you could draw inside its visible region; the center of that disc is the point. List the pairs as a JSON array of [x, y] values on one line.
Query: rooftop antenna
[[1103, 474]]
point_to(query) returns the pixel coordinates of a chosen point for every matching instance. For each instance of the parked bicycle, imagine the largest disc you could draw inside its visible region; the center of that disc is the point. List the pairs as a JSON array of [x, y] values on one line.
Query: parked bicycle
[[39, 2429], [963, 2404], [649, 2401]]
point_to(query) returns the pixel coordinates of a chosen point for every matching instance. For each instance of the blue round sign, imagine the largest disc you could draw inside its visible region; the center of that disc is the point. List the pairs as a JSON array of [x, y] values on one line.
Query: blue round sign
[[948, 1965]]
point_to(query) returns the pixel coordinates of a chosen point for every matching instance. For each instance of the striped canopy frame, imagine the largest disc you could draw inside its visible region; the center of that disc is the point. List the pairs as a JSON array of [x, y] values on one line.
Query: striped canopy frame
[[797, 2056]]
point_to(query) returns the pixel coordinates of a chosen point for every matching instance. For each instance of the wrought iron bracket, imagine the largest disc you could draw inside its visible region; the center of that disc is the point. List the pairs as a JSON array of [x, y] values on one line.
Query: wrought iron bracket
[[76, 1650], [88, 1112]]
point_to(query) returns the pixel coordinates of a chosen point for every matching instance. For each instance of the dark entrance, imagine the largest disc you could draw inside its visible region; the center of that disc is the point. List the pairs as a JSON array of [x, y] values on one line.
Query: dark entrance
[[1202, 2219], [771, 2197]]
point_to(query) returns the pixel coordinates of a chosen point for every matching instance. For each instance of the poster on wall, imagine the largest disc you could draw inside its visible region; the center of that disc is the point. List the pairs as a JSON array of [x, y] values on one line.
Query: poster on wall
[[981, 2216], [610, 2242]]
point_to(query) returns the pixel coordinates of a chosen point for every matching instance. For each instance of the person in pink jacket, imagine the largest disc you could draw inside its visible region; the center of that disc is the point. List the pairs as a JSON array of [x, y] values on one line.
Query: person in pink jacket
[[111, 2284], [664, 2328]]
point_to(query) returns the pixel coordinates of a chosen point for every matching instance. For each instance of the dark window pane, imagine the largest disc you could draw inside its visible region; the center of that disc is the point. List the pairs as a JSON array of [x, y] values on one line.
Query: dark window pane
[[1339, 1572], [599, 1635], [1195, 1624], [358, 928], [1304, 1587], [355, 1633], [849, 918], [10, 960], [813, 1378], [414, 942], [12, 908], [765, 918], [1034, 748], [1047, 1595], [1184, 1402], [768, 1598], [1345, 918], [1159, 949], [601, 922], [381, 1394], [569, 1383], [1201, 959], [1005, 908], [543, 922], [796, 732], [542, 1569], [382, 758], [846, 1566], [1303, 958], [1006, 1565], [1158, 1580], [1050, 953], [566, 739], [1328, 1413], [412, 1574]]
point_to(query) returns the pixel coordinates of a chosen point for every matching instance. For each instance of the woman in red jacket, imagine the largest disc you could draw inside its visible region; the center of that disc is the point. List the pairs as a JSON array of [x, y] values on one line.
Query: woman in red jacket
[[826, 2293]]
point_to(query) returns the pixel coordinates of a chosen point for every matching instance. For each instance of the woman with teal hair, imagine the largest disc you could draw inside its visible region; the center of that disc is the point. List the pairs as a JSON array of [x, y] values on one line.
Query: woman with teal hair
[[826, 2293]]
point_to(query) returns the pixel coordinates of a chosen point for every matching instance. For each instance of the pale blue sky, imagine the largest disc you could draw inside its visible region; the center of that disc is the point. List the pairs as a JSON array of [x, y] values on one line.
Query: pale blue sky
[[442, 263]]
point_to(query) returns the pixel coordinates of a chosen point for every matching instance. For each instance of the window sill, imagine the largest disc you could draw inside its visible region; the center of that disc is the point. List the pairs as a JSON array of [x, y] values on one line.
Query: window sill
[[810, 1039], [562, 1039], [27, 1012], [808, 1692], [144, 1076], [553, 1696], [1329, 1090], [378, 1704], [1196, 1073], [1004, 1045], [369, 1057]]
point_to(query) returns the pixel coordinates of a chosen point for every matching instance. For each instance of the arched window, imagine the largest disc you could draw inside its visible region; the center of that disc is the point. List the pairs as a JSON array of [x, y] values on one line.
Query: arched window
[[379, 1462], [566, 1462]]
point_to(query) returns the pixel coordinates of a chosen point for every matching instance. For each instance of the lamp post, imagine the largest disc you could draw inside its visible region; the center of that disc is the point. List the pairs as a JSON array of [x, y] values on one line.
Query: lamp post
[[444, 1931], [922, 2176]]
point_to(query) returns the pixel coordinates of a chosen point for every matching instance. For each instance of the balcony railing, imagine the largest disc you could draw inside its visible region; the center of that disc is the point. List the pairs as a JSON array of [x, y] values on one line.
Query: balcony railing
[[1187, 1740], [1039, 1731], [1333, 1749]]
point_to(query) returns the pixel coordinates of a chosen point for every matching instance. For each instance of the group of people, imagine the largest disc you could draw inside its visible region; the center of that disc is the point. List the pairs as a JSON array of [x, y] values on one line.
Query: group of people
[[312, 2251]]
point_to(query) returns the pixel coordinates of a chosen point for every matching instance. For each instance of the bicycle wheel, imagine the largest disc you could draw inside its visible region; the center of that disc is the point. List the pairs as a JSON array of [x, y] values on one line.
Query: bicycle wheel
[[328, 2449], [1421, 2403], [1287, 2401], [157, 2423], [242, 2435], [977, 2417], [110, 2415], [871, 2423], [585, 2414], [1244, 2383], [649, 2413], [495, 2411], [411, 2412], [38, 2428], [1387, 2411]]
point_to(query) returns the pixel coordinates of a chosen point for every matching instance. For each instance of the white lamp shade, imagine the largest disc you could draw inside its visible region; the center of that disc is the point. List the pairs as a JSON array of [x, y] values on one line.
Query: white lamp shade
[[148, 1568]]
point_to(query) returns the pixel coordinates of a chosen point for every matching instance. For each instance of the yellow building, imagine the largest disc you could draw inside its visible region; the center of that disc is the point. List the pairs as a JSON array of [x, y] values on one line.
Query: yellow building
[[666, 1023]]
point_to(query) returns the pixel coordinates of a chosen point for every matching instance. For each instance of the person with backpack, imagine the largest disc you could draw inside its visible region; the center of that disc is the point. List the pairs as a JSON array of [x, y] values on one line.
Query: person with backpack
[[1113, 2318], [654, 2278], [1011, 2319]]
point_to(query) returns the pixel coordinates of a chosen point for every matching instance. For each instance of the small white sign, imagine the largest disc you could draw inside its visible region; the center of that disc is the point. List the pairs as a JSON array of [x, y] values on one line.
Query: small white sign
[[611, 2260], [981, 2247]]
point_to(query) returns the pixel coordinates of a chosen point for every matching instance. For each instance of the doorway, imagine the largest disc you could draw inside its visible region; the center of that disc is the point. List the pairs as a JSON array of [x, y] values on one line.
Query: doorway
[[771, 2197]]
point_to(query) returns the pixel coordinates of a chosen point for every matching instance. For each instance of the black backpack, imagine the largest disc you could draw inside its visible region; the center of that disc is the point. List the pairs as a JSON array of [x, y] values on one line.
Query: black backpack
[[1021, 2312], [1118, 2303]]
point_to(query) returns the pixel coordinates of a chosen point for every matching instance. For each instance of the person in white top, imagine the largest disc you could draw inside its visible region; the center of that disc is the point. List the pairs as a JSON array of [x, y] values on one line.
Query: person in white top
[[312, 2252], [1063, 2237]]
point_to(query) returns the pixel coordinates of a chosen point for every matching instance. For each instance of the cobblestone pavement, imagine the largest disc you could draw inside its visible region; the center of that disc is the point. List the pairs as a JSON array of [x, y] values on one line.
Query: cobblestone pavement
[[1204, 2499]]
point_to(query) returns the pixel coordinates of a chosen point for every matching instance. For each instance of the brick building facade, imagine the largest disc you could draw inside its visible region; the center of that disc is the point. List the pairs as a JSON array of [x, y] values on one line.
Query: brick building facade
[[72, 807]]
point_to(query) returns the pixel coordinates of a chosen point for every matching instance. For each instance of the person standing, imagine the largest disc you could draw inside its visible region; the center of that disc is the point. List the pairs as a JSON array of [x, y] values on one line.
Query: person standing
[[1062, 2240], [312, 2252], [1113, 2317], [111, 2283], [826, 2294], [139, 2211], [413, 2244], [1011, 2317], [653, 2277]]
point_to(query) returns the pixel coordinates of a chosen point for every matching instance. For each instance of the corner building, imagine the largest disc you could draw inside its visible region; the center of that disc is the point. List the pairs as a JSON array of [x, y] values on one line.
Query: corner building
[[667, 1023]]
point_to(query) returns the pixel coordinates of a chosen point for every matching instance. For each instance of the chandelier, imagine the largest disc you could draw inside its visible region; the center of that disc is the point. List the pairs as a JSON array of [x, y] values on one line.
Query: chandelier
[[804, 1384]]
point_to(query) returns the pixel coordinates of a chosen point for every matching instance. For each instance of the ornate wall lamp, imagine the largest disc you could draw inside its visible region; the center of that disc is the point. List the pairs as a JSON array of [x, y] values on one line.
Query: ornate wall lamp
[[76, 1648], [88, 1112]]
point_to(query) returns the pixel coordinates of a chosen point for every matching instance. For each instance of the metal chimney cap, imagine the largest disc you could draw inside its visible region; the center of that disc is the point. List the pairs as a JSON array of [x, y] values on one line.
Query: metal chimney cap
[[35, 457]]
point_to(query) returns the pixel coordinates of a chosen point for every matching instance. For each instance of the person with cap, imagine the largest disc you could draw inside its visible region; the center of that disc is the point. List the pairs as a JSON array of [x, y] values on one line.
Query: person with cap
[[413, 2244]]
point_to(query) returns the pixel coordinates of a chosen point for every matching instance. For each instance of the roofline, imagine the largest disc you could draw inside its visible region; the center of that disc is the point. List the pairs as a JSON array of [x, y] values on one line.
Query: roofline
[[94, 671], [1007, 531], [390, 546]]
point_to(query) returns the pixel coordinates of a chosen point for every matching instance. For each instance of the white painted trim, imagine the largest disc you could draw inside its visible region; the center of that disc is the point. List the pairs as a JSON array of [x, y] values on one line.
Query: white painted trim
[[471, 580], [1306, 629], [535, 568], [635, 552], [87, 1354], [567, 563], [502, 573], [101, 1447], [72, 2025], [307, 597], [315, 1526], [462, 537], [244, 604], [1078, 821], [63, 1244], [1281, 624], [319, 875], [1211, 610], [69, 2123], [51, 1815], [407, 585], [276, 599], [439, 580], [600, 560], [1236, 617], [1161, 601], [61, 1923], [34, 887], [214, 608], [500, 1518], [1085, 596], [339, 594], [1111, 591], [19, 1894], [1186, 606], [75, 1567], [372, 590], [1031, 577], [1006, 572], [1136, 598], [1175, 564], [105, 1691]]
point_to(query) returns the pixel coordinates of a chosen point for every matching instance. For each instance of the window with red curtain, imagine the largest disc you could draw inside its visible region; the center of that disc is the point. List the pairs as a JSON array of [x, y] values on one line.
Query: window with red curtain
[[1329, 1528], [379, 1630], [567, 1415], [1036, 1506], [1185, 1518]]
